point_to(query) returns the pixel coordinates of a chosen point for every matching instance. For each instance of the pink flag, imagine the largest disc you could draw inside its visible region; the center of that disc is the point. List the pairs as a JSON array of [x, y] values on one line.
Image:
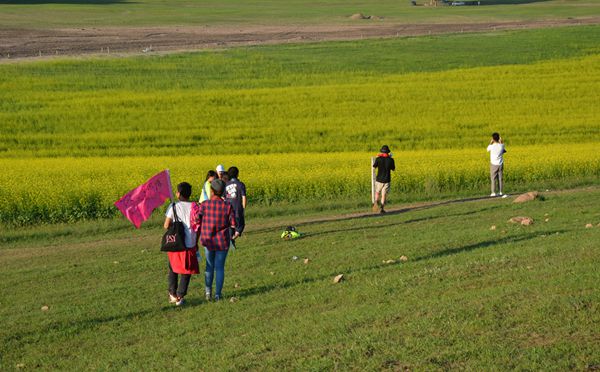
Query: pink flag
[[137, 205]]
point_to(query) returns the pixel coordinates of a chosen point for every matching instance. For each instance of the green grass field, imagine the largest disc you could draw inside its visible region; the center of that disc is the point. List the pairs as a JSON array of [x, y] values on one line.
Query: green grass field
[[517, 297], [100, 13]]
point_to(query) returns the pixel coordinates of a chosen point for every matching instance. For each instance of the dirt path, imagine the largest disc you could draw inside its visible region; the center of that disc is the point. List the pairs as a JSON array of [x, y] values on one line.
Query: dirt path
[[299, 221], [29, 44]]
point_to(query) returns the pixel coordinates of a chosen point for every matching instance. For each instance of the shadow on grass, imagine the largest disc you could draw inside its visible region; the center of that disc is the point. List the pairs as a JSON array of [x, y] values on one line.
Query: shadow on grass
[[510, 2], [366, 215], [77, 326], [370, 228], [443, 253]]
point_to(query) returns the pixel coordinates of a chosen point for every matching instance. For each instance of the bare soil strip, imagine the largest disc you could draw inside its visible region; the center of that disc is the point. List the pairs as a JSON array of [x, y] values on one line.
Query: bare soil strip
[[50, 43]]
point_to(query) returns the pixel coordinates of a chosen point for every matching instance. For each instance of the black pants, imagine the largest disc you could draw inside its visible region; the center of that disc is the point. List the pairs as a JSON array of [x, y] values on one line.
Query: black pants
[[240, 221], [183, 283]]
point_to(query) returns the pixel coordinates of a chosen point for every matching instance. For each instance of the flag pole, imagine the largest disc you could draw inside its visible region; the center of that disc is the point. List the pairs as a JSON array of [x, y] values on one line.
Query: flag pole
[[372, 180], [170, 185]]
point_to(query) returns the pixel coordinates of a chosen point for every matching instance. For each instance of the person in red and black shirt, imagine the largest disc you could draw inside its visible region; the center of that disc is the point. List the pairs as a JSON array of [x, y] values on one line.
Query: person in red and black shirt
[[384, 164], [215, 219]]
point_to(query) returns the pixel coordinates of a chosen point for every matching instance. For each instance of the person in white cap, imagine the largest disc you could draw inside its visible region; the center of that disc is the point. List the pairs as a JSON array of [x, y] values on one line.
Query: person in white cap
[[220, 170]]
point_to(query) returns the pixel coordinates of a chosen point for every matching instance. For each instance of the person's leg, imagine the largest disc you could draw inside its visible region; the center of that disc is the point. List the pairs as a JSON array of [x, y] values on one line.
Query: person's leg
[[220, 272], [377, 194], [183, 285], [172, 282], [209, 272], [241, 222], [493, 178], [384, 191], [500, 183]]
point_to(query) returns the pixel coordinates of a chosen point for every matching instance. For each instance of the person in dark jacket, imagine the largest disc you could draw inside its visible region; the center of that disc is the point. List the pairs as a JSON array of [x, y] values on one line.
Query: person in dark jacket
[[384, 164]]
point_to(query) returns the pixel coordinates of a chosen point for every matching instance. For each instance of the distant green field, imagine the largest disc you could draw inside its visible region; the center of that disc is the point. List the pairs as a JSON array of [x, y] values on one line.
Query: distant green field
[[414, 93], [468, 298], [99, 13]]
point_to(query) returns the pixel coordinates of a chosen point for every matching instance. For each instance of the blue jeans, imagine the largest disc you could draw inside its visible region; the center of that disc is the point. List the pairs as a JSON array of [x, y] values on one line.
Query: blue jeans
[[215, 262]]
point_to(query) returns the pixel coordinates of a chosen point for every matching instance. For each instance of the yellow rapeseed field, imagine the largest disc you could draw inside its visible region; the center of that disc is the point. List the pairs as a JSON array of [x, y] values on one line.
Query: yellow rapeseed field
[[59, 189]]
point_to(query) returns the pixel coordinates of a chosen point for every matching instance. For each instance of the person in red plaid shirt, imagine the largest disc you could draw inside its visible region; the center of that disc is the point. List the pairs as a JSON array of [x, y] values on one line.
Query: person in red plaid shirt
[[215, 219]]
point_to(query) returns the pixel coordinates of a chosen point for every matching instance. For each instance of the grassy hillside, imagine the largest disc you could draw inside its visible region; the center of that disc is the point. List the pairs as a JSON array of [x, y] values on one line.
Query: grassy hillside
[[304, 117], [99, 13], [414, 93], [517, 297]]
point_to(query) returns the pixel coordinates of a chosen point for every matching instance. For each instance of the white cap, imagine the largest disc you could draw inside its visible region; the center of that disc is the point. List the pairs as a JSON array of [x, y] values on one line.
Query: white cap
[[220, 168]]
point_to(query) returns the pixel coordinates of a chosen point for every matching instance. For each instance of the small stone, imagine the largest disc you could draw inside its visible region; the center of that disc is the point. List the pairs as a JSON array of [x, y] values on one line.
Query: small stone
[[493, 227], [115, 262], [588, 226], [233, 299], [338, 278], [546, 220], [272, 273], [525, 221], [45, 308], [529, 196], [20, 365], [546, 214], [358, 16], [295, 258], [236, 285], [403, 258], [306, 261], [389, 262], [529, 267]]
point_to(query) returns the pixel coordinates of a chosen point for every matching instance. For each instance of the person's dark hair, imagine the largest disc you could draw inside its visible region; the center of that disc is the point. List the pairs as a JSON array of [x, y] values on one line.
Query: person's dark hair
[[496, 136], [218, 193], [211, 173], [233, 172], [184, 189], [225, 177]]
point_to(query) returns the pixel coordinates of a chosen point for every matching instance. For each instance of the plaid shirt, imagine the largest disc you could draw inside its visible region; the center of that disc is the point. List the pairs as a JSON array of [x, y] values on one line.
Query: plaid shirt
[[215, 217]]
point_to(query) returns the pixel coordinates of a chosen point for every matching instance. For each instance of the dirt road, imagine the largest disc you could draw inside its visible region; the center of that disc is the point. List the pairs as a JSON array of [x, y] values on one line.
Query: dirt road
[[26, 44]]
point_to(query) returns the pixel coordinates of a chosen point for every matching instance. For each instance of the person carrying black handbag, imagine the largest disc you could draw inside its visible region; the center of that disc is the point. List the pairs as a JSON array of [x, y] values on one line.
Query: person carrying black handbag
[[181, 262]]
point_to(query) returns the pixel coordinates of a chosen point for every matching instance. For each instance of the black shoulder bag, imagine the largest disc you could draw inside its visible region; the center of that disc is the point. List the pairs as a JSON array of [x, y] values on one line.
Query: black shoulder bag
[[174, 238]]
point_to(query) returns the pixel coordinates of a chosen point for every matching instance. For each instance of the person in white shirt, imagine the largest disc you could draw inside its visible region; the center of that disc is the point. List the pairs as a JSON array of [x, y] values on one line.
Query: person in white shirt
[[496, 150], [184, 263]]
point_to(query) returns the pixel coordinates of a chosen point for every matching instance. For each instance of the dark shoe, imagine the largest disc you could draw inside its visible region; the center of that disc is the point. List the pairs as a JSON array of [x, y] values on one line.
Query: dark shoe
[[382, 211]]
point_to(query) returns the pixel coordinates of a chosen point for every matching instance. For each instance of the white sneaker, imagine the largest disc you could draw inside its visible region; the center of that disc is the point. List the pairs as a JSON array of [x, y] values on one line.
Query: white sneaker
[[504, 196], [180, 301], [493, 194], [172, 299]]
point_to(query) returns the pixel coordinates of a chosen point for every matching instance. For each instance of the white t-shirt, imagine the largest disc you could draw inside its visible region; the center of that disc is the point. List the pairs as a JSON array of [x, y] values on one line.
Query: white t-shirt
[[184, 211], [496, 151]]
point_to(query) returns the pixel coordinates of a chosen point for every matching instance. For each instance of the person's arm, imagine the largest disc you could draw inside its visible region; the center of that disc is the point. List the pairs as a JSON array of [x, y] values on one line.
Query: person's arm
[[169, 217], [393, 167], [375, 163], [243, 193]]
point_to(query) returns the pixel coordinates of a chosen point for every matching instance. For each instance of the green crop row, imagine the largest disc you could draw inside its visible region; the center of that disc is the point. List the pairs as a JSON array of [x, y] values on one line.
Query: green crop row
[[549, 102]]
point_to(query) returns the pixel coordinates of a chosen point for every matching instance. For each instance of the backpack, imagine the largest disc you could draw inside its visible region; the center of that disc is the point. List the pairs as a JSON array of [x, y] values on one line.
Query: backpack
[[290, 233], [173, 239]]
